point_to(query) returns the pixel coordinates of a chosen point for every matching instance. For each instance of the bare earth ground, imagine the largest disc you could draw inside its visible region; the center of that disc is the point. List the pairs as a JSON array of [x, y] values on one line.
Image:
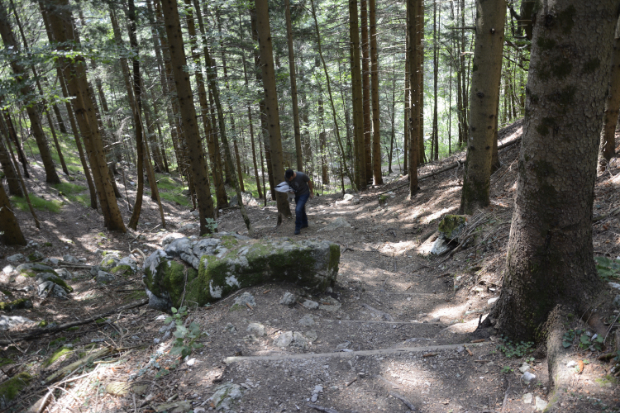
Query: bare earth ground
[[401, 327]]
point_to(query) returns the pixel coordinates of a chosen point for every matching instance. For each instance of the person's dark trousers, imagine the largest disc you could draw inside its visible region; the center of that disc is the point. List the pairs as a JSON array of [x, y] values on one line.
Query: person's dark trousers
[[301, 219]]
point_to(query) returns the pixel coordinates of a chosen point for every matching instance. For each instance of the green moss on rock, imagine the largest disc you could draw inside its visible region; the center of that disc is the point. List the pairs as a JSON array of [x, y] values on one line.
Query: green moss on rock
[[451, 225], [11, 388], [15, 305], [122, 269]]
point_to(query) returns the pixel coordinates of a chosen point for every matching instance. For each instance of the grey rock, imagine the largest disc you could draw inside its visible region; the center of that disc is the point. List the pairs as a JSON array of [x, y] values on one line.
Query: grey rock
[[348, 197], [94, 270], [526, 398], [51, 261], [288, 299], [299, 340], [311, 335], [191, 226], [63, 273], [256, 329], [306, 321], [15, 258], [571, 364], [230, 328], [338, 223], [127, 265], [243, 300], [344, 345], [524, 367], [70, 259], [284, 339], [440, 246], [227, 264], [310, 305], [9, 322], [492, 301], [540, 404], [24, 267], [617, 301], [527, 377], [35, 256], [49, 288], [329, 304], [110, 261], [8, 269], [158, 303], [105, 277], [171, 237], [32, 244], [41, 268], [167, 327], [225, 396], [611, 284]]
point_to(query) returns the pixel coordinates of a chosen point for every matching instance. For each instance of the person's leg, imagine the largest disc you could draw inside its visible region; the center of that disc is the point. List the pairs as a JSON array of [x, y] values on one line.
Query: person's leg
[[300, 212], [304, 216]]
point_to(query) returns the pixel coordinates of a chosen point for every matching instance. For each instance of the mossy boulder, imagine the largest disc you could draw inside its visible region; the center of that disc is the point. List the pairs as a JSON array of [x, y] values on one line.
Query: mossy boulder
[[126, 266], [451, 226], [11, 388], [209, 269], [15, 304], [109, 261]]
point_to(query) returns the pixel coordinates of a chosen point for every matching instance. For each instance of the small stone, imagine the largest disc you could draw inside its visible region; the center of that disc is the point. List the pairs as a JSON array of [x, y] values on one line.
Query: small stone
[[527, 398], [104, 277], [8, 269], [283, 339], [311, 335], [306, 321], [528, 377], [299, 340], [70, 259], [32, 244], [8, 322], [460, 349], [344, 345], [571, 364], [612, 285], [225, 395], [230, 328], [525, 367], [288, 299], [617, 301], [36, 256], [63, 273], [310, 305], [50, 261], [256, 329], [540, 404], [243, 300], [191, 362], [16, 258], [492, 300]]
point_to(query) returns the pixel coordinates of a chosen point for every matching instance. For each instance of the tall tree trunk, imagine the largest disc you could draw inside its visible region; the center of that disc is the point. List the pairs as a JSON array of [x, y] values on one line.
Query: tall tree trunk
[[549, 260], [21, 77], [607, 146], [198, 169], [60, 20], [436, 34], [376, 128], [358, 106], [415, 29], [271, 100], [331, 99], [10, 232], [251, 123], [291, 65], [484, 100], [7, 124], [366, 96], [323, 142], [9, 171], [393, 122], [212, 142], [407, 106]]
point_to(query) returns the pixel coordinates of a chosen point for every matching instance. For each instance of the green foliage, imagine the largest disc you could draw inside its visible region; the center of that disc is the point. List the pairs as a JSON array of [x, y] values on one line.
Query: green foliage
[[73, 193], [186, 337], [517, 350], [37, 203], [507, 369], [607, 268], [594, 342], [175, 198], [211, 224]]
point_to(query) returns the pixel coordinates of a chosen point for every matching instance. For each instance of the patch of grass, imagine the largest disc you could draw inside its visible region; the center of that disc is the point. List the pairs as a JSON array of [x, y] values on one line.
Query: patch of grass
[[73, 193], [166, 182], [178, 198], [37, 203]]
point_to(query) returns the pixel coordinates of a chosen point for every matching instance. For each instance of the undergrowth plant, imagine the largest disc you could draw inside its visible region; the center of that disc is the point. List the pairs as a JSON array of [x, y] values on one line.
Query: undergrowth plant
[[186, 337], [517, 350], [607, 268]]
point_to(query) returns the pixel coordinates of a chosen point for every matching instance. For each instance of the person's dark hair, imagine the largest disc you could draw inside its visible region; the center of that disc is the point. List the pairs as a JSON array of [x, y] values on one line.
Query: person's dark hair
[[289, 173]]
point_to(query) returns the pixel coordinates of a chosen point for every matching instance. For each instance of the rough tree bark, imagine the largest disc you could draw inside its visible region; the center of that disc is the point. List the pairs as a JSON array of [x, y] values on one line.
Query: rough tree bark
[[486, 77], [358, 104], [550, 251], [293, 76], [374, 77], [198, 167], [366, 96], [271, 100], [10, 232], [9, 171], [415, 29]]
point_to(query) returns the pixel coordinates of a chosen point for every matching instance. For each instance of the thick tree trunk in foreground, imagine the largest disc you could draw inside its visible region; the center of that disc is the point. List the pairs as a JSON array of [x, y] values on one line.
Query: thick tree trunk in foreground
[[271, 101], [10, 232], [21, 76], [484, 100], [607, 146], [60, 20], [374, 77], [198, 167], [550, 252], [358, 104], [366, 97], [7, 124]]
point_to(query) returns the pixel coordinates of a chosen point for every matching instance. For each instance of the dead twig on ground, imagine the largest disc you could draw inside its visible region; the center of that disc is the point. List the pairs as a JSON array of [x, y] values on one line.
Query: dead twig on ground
[[402, 399], [44, 331]]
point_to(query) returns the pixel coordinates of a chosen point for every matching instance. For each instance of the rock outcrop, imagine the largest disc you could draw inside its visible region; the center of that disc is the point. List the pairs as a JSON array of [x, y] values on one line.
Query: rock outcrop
[[203, 271]]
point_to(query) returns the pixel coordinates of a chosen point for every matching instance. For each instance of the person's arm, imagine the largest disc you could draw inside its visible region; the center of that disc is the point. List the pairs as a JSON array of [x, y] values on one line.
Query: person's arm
[[311, 189]]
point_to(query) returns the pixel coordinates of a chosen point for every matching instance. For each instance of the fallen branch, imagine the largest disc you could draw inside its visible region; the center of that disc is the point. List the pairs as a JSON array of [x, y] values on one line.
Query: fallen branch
[[321, 408], [43, 331], [402, 399]]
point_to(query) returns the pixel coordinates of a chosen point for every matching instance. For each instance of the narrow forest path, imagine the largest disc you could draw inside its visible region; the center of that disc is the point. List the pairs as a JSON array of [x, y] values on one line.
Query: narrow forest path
[[397, 330]]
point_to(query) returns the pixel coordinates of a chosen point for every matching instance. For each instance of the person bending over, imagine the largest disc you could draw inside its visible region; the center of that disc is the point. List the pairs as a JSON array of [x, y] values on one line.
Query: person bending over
[[304, 190]]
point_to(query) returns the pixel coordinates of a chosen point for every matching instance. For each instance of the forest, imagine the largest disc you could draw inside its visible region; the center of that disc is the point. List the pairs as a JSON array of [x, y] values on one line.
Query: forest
[[462, 214]]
